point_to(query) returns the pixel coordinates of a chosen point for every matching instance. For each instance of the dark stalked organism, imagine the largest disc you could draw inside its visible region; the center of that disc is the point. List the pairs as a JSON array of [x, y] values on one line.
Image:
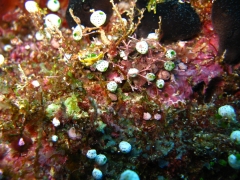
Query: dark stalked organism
[[226, 22], [179, 21], [81, 9]]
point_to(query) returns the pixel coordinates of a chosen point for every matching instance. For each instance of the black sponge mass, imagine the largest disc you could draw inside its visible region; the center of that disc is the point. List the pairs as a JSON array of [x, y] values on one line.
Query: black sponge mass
[[179, 21], [226, 23], [81, 9]]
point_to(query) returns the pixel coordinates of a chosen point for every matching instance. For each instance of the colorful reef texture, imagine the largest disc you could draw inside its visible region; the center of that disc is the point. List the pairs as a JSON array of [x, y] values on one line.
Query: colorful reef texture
[[119, 89]]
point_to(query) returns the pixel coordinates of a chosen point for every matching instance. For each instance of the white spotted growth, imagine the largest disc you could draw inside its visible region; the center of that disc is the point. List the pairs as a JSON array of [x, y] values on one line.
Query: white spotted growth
[[112, 86], [160, 83], [97, 174], [98, 18], [227, 111], [171, 54], [31, 6], [52, 20], [142, 47], [125, 147], [77, 33], [102, 65], [53, 5], [91, 154]]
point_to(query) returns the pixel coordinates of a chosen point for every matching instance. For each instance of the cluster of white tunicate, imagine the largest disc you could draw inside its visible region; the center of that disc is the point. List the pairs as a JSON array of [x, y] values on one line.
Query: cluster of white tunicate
[[125, 147], [98, 18], [142, 47], [112, 86], [160, 83], [228, 112], [102, 65]]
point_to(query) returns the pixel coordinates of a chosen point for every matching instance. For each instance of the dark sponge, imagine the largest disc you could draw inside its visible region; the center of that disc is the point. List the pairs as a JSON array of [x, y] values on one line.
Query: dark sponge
[[81, 10], [226, 22], [179, 21]]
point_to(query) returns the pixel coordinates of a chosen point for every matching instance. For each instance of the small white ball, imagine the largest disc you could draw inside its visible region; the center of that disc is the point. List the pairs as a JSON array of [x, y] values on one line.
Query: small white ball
[[2, 59], [7, 47], [35, 83], [112, 86], [235, 135], [77, 33], [125, 147], [152, 36], [101, 159], [160, 83], [97, 174], [91, 154], [171, 54], [102, 65], [39, 36], [129, 175], [133, 72], [53, 5], [233, 161], [227, 111], [31, 6], [98, 18], [52, 20], [150, 76], [142, 47], [56, 122], [169, 65], [54, 138]]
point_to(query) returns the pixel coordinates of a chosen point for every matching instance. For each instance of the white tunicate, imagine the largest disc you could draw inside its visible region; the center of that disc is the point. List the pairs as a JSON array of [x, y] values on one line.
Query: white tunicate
[[101, 159], [129, 175], [53, 5], [150, 76], [2, 59], [98, 18], [102, 65], [233, 161], [235, 135], [133, 72], [171, 54], [125, 147], [77, 33], [160, 83], [52, 20], [227, 111], [142, 47], [35, 83], [39, 36], [55, 122], [31, 6], [152, 36], [54, 138], [97, 174], [112, 86], [169, 65], [7, 47], [91, 154]]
